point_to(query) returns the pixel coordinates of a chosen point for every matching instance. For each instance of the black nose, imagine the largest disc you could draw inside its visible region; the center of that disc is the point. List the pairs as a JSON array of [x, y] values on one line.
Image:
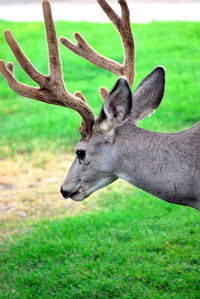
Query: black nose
[[64, 193]]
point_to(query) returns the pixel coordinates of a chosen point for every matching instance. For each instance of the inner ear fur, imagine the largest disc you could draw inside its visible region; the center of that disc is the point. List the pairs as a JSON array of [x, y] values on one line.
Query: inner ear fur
[[117, 106]]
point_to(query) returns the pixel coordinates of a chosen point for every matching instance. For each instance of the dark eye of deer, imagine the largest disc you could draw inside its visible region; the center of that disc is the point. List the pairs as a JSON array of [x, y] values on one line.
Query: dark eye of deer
[[80, 154]]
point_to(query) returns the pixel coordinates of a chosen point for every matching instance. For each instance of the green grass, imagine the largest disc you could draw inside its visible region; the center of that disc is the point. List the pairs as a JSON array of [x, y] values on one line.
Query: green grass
[[135, 246], [132, 248], [28, 125]]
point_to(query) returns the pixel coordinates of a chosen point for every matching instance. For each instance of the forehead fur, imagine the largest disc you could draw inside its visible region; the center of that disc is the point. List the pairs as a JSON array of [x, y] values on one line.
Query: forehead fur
[[97, 137]]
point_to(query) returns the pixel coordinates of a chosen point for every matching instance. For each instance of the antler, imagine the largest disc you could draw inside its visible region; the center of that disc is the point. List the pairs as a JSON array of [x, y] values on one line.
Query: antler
[[52, 89], [123, 26]]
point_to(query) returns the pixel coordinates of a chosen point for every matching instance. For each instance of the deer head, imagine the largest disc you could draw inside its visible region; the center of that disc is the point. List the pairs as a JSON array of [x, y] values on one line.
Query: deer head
[[97, 157], [102, 138]]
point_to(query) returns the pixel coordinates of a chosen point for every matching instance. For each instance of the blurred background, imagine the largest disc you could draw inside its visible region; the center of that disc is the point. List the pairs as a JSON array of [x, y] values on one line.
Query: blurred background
[[92, 1], [87, 10]]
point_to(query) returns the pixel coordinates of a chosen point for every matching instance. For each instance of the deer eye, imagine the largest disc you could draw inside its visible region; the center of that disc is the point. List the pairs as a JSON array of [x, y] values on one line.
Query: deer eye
[[80, 154]]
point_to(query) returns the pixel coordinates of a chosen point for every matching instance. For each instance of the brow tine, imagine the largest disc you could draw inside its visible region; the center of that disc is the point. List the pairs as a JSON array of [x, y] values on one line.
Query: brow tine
[[103, 92]]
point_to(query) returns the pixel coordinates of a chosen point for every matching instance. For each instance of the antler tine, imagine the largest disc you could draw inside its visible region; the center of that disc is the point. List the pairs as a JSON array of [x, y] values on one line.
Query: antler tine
[[11, 68], [123, 25], [52, 89], [52, 43], [84, 50], [23, 60], [19, 88]]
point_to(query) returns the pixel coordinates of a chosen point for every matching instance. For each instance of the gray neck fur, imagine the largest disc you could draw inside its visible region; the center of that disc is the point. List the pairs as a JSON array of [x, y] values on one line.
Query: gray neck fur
[[165, 165]]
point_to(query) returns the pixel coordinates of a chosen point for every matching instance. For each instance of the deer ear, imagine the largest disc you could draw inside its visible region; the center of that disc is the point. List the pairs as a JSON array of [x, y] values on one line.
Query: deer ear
[[148, 95], [117, 106]]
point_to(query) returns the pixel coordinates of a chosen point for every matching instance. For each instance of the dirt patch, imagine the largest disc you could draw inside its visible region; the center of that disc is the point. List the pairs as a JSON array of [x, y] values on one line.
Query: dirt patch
[[29, 189]]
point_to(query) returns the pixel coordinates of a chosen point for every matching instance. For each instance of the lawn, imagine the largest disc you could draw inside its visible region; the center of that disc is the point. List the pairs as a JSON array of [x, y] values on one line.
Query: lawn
[[121, 242], [139, 248]]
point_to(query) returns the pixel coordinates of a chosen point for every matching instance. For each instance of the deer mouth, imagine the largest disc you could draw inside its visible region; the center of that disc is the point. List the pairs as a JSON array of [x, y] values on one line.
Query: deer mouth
[[77, 195], [74, 193]]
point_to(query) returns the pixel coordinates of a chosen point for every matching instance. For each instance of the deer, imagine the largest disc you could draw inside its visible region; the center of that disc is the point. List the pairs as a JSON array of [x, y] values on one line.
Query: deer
[[112, 146]]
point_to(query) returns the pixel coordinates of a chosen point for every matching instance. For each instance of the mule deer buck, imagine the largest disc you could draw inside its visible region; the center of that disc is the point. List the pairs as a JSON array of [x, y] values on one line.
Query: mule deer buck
[[111, 145]]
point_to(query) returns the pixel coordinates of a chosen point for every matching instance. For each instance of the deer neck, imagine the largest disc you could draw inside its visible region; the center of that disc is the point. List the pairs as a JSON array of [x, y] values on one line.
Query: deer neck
[[161, 164]]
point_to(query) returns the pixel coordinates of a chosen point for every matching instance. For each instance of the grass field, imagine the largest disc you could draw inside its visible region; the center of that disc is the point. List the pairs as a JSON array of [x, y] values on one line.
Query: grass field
[[121, 242]]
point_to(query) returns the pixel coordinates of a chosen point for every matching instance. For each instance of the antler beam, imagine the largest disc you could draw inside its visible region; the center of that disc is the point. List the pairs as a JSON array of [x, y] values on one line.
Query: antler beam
[[52, 89]]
